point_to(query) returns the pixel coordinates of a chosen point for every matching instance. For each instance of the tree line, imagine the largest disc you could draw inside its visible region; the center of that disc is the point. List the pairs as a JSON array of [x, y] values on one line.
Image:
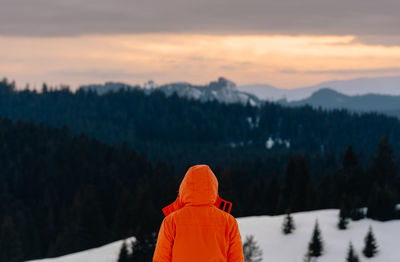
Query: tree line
[[187, 131]]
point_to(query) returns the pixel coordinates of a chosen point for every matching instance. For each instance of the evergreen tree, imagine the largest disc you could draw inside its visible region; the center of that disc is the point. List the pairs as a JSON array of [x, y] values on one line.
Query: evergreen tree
[[352, 174], [382, 202], [357, 214], [288, 224], [272, 195], [316, 246], [123, 253], [343, 220], [298, 188], [251, 251], [143, 247], [371, 247], [384, 166], [351, 254], [10, 244], [383, 199]]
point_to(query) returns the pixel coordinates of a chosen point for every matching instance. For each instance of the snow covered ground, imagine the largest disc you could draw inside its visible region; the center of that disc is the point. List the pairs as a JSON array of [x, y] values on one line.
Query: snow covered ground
[[107, 253], [290, 248]]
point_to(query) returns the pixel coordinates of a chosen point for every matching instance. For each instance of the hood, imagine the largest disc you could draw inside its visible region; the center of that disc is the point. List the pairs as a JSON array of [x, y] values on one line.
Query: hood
[[199, 186]]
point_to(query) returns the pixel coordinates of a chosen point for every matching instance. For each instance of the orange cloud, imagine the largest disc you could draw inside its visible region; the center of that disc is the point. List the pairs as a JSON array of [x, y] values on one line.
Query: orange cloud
[[280, 60]]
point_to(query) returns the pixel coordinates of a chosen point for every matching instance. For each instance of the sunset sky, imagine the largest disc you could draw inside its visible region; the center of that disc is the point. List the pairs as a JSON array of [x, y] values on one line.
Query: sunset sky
[[284, 43]]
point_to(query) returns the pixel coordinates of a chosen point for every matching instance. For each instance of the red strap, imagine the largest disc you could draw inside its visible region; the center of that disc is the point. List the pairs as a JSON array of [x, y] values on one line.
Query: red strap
[[172, 207], [177, 205]]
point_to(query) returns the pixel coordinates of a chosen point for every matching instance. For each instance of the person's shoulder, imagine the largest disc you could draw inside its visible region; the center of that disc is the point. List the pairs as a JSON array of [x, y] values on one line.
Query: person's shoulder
[[225, 214]]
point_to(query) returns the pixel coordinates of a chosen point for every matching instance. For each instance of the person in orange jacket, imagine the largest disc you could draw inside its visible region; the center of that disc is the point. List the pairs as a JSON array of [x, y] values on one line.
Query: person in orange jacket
[[195, 229]]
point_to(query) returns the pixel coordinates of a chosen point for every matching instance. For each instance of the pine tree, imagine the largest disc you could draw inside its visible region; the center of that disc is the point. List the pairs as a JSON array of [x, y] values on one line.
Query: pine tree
[[143, 247], [10, 244], [251, 251], [371, 247], [384, 171], [288, 224], [343, 220], [316, 246], [351, 254], [298, 188], [381, 205], [357, 214], [123, 253]]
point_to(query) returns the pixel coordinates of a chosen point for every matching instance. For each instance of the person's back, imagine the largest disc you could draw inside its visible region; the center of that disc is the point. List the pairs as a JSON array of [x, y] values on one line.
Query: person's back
[[199, 231]]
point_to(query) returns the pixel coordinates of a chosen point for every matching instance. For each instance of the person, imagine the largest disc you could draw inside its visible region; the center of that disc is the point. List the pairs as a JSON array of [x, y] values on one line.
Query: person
[[195, 229]]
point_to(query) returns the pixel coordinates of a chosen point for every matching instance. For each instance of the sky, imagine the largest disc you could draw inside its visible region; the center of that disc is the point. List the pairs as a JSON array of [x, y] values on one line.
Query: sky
[[284, 43]]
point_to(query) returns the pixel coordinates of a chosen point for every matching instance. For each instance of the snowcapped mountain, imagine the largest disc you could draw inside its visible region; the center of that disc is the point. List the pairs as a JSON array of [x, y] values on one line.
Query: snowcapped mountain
[[222, 90], [290, 248]]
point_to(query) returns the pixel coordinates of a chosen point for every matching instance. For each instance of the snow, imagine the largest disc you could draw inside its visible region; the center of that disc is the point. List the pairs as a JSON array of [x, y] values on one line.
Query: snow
[[107, 253], [277, 247], [287, 248], [271, 142], [150, 85]]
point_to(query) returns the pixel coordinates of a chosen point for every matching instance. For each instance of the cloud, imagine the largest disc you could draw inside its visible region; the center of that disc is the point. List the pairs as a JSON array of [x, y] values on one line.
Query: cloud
[[101, 74], [342, 71], [376, 20]]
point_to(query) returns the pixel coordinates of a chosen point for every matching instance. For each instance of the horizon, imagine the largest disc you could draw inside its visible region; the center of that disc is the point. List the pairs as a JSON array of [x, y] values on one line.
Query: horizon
[[38, 87]]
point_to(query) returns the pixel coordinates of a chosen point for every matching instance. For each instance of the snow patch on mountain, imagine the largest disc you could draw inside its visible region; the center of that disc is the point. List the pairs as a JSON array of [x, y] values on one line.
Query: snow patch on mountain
[[222, 90]]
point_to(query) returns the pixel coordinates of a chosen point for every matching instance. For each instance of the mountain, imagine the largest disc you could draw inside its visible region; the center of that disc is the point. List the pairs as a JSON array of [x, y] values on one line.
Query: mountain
[[102, 89], [330, 99], [226, 91], [359, 86], [264, 91], [281, 248], [222, 90]]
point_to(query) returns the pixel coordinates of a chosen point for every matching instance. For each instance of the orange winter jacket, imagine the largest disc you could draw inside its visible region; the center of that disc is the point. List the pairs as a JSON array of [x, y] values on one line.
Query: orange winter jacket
[[195, 230]]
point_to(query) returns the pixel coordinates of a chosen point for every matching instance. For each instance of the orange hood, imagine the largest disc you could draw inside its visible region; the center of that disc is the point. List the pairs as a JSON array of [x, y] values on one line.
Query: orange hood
[[198, 187]]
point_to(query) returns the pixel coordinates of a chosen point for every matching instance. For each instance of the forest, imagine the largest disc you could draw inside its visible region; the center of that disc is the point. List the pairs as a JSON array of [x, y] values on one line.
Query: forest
[[78, 170], [186, 132]]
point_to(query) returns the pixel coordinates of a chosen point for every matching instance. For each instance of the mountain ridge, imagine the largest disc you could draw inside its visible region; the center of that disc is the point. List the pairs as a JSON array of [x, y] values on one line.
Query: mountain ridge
[[222, 90], [356, 86], [328, 98]]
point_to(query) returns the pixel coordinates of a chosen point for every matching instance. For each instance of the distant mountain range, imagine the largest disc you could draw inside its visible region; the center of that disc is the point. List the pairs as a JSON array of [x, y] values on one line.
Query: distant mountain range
[[360, 95], [222, 90], [360, 86], [329, 99]]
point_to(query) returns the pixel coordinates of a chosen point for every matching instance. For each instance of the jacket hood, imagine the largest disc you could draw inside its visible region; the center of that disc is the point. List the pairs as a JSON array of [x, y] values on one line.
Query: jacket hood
[[199, 186]]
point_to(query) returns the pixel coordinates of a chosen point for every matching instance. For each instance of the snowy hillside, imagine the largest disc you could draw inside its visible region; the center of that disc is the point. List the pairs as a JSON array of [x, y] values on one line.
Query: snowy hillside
[[291, 248], [107, 253], [277, 247]]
